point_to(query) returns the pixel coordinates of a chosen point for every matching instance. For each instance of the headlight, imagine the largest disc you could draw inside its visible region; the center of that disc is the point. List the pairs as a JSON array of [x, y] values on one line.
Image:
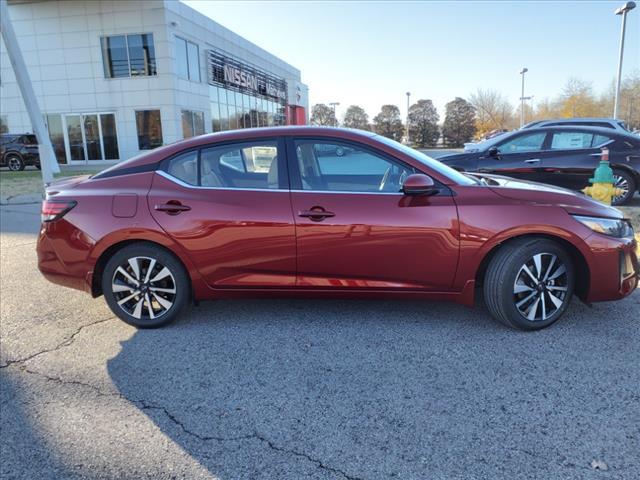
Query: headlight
[[613, 227]]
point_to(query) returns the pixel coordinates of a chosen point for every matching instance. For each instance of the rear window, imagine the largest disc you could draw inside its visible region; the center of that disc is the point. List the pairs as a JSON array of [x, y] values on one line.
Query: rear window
[[29, 140]]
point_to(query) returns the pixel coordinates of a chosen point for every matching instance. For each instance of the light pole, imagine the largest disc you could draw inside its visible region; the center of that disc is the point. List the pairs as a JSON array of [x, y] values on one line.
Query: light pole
[[623, 10], [522, 72], [407, 128], [526, 99], [334, 105]]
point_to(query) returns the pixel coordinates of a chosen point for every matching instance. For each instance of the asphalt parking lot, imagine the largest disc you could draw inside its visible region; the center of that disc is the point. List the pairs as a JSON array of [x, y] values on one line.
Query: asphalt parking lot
[[287, 389]]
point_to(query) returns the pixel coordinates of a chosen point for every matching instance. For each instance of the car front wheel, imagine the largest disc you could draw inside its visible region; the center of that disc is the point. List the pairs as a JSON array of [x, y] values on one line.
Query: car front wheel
[[529, 283], [145, 285]]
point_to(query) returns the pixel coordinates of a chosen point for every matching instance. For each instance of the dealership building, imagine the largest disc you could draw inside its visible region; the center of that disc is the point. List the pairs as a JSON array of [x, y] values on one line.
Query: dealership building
[[114, 78]]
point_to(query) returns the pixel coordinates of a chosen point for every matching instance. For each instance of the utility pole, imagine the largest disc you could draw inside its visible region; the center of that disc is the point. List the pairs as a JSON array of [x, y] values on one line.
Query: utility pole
[[334, 105], [407, 132], [48, 161], [522, 72], [626, 8]]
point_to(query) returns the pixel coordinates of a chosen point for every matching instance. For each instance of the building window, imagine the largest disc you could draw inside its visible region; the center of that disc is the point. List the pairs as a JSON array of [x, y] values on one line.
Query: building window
[[192, 123], [128, 55], [149, 127], [188, 60], [4, 125]]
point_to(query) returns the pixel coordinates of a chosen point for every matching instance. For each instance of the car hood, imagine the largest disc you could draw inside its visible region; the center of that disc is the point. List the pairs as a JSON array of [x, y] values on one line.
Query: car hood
[[454, 157], [543, 194]]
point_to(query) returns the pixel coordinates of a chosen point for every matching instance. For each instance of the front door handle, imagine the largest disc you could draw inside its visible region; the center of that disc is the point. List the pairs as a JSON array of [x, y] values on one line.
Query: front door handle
[[172, 207], [532, 160], [316, 214]]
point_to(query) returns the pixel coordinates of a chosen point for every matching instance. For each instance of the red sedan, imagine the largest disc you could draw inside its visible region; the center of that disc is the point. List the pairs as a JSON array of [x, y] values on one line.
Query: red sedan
[[268, 212]]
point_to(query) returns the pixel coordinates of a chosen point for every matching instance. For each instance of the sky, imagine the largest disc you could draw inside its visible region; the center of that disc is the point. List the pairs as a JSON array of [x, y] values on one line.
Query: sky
[[371, 53]]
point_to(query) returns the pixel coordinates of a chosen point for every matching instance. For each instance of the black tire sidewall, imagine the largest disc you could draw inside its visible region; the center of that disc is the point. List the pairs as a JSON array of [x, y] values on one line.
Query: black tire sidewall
[[516, 261], [632, 186], [183, 284]]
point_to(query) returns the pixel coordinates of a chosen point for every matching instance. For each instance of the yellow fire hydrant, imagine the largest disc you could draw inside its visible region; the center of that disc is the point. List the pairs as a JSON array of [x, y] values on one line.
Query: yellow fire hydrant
[[602, 188]]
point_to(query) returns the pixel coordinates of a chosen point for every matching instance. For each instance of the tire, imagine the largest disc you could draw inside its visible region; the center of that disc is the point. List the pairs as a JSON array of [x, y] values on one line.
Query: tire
[[624, 180], [146, 306], [15, 163], [340, 152], [511, 294]]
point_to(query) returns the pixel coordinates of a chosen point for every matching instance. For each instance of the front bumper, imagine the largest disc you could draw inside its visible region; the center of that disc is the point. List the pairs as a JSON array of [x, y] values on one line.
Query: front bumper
[[614, 268]]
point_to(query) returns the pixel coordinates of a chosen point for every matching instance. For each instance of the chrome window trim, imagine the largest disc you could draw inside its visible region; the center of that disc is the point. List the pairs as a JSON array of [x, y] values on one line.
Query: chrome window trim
[[177, 181]]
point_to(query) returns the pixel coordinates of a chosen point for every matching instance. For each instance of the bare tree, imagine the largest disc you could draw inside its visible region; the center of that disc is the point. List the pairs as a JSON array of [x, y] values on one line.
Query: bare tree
[[493, 111]]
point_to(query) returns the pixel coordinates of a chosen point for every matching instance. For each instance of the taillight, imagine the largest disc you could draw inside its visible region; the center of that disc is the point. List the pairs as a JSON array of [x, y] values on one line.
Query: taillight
[[56, 209]]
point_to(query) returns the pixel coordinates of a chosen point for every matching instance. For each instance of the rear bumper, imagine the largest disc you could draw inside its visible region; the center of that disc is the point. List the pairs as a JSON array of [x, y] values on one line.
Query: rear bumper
[[614, 268], [70, 272]]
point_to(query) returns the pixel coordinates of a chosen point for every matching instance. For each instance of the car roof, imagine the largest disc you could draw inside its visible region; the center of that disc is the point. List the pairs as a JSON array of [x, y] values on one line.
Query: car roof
[[586, 128], [583, 119], [160, 153]]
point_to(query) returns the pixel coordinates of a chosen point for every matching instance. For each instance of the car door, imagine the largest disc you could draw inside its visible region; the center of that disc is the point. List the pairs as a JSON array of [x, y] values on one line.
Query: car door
[[228, 207], [572, 157], [518, 156], [356, 230]]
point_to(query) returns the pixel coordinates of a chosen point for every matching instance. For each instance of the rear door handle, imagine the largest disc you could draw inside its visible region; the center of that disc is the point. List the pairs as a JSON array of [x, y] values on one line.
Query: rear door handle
[[172, 207], [316, 214], [532, 160]]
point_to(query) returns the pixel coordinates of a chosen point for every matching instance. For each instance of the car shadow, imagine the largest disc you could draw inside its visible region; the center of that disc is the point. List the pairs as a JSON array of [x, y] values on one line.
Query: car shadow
[[362, 389]]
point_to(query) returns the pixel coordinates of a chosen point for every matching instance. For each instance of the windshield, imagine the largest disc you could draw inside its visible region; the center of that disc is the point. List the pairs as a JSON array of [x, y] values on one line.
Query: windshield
[[432, 163]]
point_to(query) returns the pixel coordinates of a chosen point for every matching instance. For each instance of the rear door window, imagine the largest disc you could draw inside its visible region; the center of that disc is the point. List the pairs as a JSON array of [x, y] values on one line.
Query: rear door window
[[571, 140]]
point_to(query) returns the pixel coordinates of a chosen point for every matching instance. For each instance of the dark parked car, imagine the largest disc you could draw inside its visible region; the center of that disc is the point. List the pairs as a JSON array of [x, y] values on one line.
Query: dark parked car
[[18, 151], [386, 221], [562, 156]]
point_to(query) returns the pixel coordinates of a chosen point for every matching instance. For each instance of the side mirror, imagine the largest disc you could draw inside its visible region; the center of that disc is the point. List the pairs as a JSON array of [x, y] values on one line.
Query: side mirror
[[419, 184], [493, 152]]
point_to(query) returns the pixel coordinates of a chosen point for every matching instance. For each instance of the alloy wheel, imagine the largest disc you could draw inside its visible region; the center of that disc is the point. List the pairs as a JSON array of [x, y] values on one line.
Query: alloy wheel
[[144, 288], [541, 286], [623, 184]]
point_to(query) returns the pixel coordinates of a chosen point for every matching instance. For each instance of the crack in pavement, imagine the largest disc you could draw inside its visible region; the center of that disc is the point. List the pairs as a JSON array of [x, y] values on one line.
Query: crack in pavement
[[144, 405], [65, 343]]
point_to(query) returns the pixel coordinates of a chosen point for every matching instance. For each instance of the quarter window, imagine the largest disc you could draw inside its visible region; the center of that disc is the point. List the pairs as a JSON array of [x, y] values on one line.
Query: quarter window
[[571, 140], [128, 55], [149, 127], [326, 166], [524, 143], [188, 59], [185, 167]]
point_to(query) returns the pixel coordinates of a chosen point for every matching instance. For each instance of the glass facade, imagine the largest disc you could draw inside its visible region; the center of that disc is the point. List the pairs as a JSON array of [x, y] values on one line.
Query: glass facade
[[192, 123], [149, 127], [231, 110]]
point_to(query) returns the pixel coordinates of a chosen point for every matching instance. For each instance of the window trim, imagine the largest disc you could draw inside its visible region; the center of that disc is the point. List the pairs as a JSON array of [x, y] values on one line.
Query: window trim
[[284, 185], [126, 41]]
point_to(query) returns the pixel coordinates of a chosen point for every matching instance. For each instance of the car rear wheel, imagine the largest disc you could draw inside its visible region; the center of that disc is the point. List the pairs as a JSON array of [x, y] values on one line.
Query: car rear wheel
[[145, 285], [529, 283], [15, 163], [624, 181]]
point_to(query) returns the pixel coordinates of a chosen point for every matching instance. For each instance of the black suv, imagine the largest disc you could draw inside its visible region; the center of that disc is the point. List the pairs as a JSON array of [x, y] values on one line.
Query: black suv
[[18, 150]]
